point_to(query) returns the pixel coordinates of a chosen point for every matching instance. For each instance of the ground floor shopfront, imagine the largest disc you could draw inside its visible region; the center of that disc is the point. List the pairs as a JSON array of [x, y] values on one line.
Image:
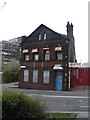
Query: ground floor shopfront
[[52, 76]]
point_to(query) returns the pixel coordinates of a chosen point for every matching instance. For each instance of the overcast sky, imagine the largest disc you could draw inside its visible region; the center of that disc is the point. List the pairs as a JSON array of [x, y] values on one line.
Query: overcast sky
[[22, 17]]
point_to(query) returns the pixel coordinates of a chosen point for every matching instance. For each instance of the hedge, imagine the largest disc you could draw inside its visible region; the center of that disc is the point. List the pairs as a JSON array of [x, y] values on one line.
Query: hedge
[[20, 106]]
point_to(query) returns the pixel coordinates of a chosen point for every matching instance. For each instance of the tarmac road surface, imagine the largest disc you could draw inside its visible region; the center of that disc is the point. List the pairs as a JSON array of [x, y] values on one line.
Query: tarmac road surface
[[62, 101]]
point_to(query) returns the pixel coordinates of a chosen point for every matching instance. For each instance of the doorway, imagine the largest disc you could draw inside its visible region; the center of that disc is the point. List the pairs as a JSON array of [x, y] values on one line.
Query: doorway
[[58, 80]]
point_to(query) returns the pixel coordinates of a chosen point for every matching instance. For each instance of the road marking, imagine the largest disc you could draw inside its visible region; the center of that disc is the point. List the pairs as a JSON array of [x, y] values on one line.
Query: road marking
[[64, 96], [85, 106], [54, 96]]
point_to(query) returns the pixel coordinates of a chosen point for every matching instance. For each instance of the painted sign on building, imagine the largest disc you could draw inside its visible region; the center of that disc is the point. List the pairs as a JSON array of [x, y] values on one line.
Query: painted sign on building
[[78, 64]]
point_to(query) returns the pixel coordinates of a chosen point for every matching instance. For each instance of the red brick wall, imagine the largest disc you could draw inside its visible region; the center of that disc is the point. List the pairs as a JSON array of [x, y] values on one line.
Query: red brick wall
[[40, 84], [40, 66]]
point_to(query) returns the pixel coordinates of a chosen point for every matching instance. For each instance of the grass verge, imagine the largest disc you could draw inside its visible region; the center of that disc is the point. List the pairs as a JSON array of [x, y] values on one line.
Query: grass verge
[[62, 116]]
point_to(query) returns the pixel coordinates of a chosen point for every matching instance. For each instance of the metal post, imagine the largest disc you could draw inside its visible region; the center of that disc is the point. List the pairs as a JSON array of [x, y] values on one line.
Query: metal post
[[84, 77]]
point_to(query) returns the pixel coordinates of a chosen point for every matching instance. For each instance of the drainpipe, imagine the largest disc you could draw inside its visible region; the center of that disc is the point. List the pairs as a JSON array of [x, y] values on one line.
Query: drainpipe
[[68, 86]]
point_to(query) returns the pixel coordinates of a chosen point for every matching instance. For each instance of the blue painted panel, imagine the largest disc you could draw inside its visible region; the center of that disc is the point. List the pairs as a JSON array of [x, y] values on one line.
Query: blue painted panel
[[58, 85]]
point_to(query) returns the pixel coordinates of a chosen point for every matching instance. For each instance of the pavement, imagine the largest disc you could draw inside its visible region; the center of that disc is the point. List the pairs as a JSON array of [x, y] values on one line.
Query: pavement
[[85, 115]]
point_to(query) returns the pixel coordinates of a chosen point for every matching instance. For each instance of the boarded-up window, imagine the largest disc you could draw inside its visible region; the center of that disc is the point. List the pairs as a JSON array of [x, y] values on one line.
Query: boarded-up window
[[59, 55], [46, 75], [26, 57], [35, 76], [26, 75], [35, 56], [47, 54]]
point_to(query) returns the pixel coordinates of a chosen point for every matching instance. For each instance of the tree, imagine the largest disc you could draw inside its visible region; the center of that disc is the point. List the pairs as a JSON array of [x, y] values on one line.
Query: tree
[[10, 71]]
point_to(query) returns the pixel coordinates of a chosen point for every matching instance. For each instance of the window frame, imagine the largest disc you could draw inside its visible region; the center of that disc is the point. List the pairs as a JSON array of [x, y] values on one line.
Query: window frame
[[40, 37], [34, 58], [26, 75], [46, 78], [35, 76], [59, 53], [47, 55], [26, 54], [45, 36]]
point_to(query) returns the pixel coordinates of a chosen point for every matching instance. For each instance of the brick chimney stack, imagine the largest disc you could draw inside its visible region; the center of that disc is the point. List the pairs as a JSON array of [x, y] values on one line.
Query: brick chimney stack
[[69, 29]]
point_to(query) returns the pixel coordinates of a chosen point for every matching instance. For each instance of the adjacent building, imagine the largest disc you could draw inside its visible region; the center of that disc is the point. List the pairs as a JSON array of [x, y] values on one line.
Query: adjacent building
[[79, 76], [10, 49], [45, 57]]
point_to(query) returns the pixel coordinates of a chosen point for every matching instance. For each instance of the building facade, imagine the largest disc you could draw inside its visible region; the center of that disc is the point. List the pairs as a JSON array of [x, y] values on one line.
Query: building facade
[[45, 55]]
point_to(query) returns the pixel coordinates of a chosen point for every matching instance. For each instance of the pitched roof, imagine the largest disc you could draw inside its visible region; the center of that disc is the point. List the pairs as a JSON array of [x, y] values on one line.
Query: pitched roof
[[51, 34], [44, 26]]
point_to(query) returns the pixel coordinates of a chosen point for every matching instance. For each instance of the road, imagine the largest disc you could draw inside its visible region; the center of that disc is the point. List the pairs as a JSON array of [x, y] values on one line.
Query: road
[[62, 101]]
